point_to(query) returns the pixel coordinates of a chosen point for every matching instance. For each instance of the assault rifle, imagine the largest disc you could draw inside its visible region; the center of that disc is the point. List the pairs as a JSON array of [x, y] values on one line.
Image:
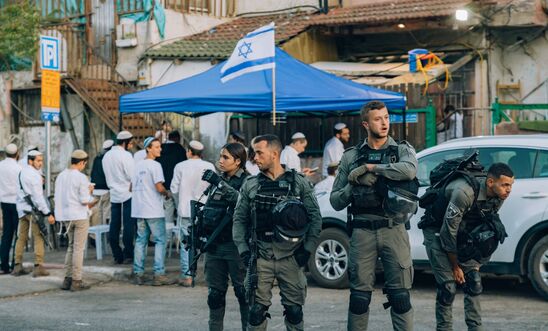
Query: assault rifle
[[205, 245], [39, 217], [195, 241], [252, 277]]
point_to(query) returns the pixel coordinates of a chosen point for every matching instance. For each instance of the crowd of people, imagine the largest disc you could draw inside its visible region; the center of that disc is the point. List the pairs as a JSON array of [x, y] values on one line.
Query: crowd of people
[[259, 216]]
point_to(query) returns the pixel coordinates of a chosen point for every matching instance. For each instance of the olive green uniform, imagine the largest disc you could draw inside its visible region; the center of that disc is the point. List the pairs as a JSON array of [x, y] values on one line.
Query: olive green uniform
[[222, 261], [276, 260], [390, 243], [439, 242]]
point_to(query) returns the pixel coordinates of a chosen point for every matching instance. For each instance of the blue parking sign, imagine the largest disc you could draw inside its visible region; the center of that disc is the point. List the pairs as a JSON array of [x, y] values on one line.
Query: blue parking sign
[[49, 53]]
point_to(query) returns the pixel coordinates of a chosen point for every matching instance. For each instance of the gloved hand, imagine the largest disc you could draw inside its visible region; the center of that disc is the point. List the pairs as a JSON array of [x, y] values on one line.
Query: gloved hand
[[498, 227], [302, 256], [245, 256], [369, 179], [354, 174], [211, 177]]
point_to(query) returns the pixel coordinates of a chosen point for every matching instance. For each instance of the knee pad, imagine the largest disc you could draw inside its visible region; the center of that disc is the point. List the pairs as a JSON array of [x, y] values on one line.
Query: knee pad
[[257, 314], [399, 300], [359, 302], [239, 291], [215, 298], [446, 293], [293, 314], [472, 285]]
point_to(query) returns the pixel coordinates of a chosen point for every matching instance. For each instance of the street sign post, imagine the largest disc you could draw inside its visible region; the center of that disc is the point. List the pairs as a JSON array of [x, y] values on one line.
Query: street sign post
[[51, 94]]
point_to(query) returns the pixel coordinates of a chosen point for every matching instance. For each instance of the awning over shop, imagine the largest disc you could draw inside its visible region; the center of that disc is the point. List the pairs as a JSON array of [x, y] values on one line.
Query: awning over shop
[[392, 73], [299, 88]]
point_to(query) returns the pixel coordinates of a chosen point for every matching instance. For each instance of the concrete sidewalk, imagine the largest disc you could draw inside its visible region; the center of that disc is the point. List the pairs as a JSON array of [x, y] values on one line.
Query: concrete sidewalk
[[95, 272]]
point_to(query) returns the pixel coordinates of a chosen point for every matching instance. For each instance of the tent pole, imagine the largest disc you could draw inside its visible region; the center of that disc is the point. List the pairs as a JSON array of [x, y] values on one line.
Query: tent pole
[[274, 96]]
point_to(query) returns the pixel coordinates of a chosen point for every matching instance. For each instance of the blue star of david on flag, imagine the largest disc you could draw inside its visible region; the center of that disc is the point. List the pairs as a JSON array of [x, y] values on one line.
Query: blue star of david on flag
[[245, 59], [245, 49]]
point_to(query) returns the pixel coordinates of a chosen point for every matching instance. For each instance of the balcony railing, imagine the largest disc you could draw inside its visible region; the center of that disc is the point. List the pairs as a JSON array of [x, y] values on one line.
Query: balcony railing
[[216, 8], [54, 9]]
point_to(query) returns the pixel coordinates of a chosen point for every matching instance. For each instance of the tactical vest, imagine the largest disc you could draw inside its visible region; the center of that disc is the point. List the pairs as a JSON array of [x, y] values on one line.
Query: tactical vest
[[368, 199], [435, 210], [268, 195], [217, 208]]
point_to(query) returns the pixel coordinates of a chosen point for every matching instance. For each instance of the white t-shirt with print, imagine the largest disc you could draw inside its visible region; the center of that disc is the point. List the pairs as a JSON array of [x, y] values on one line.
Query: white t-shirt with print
[[146, 201]]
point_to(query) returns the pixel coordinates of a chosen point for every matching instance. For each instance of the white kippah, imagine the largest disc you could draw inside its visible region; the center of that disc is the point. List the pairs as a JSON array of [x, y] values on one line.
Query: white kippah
[[339, 126], [34, 153], [298, 135], [123, 135], [196, 145], [108, 144], [11, 149]]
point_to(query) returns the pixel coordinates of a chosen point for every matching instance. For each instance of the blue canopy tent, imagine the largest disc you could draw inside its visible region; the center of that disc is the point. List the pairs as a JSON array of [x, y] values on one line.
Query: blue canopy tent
[[299, 88]]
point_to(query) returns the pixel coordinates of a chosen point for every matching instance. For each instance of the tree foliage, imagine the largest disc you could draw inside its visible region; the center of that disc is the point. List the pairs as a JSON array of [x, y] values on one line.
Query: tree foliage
[[19, 31]]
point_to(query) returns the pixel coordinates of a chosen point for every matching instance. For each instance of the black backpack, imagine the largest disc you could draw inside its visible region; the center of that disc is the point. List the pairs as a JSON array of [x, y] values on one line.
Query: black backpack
[[434, 201]]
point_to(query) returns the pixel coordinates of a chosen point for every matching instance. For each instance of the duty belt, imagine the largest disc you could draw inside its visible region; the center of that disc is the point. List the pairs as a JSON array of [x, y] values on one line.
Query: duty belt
[[373, 225], [366, 211]]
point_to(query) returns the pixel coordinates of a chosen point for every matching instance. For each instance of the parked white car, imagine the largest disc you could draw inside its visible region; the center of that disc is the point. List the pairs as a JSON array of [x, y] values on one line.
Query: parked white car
[[524, 213]]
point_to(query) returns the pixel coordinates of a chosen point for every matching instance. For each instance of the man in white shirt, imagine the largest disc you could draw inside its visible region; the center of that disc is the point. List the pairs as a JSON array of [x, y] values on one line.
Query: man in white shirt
[[451, 126], [31, 204], [334, 148], [118, 166], [23, 161], [9, 184], [290, 154], [147, 207], [326, 185], [187, 183], [72, 202]]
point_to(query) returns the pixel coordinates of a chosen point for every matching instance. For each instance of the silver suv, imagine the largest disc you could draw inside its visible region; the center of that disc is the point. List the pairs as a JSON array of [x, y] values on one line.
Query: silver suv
[[524, 213]]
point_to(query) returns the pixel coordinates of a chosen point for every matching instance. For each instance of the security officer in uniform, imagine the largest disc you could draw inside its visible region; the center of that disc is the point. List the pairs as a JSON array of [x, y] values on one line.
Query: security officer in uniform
[[288, 224], [448, 259], [222, 259], [364, 173]]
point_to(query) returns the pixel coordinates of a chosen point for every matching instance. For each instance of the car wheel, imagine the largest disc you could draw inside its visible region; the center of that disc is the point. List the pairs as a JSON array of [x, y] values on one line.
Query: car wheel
[[329, 262], [538, 267]]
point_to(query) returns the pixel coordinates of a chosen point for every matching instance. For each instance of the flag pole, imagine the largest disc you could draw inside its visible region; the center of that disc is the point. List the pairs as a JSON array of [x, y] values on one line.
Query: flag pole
[[274, 96]]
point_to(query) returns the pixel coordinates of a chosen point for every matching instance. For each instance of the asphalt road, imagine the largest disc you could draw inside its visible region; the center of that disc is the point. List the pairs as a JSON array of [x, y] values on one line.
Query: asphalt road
[[123, 306]]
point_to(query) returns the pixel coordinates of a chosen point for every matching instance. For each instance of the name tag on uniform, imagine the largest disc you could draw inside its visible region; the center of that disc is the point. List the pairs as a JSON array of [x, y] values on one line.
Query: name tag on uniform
[[283, 184], [374, 157]]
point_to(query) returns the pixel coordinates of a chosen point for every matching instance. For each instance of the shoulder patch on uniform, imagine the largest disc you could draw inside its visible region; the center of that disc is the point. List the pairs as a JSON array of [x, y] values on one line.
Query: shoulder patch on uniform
[[452, 211]]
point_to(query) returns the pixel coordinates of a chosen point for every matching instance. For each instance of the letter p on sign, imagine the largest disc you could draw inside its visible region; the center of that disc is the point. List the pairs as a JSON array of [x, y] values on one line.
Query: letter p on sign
[[49, 53]]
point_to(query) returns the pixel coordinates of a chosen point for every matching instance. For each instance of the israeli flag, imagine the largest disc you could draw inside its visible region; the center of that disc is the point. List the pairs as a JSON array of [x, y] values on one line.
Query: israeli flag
[[254, 52]]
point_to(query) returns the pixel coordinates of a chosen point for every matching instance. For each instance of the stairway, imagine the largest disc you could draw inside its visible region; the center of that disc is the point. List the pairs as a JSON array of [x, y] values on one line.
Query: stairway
[[100, 86], [102, 95]]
